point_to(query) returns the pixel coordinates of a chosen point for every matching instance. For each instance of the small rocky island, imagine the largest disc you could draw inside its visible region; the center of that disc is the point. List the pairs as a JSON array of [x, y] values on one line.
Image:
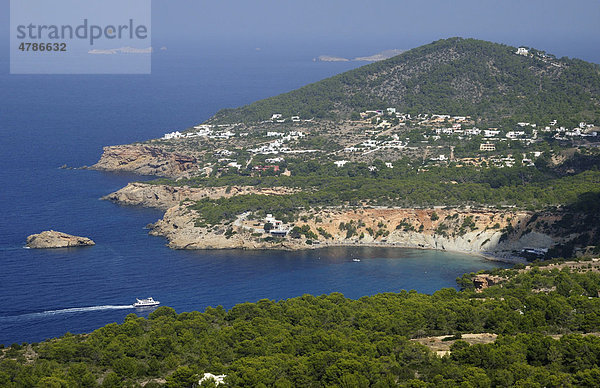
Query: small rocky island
[[54, 239]]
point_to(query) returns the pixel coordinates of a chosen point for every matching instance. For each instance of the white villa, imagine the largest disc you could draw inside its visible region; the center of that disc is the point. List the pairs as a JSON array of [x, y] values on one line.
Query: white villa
[[490, 133], [173, 135], [218, 379], [522, 51], [514, 134]]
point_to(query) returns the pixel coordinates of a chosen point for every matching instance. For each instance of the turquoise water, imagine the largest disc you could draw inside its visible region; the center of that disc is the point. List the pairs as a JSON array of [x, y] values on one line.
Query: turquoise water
[[48, 121]]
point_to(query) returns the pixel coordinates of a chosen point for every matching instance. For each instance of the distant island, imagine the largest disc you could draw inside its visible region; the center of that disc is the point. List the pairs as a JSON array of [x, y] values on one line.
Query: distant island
[[372, 58], [460, 145]]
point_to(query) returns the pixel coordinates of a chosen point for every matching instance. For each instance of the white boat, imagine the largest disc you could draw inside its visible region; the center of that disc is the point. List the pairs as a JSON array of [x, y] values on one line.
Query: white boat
[[356, 260], [148, 302]]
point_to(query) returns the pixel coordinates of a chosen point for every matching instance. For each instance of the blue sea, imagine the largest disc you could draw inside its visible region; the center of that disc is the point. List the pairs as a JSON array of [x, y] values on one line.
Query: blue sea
[[49, 121]]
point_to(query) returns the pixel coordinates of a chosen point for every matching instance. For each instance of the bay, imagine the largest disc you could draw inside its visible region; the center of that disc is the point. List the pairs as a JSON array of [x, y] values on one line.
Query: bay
[[50, 121]]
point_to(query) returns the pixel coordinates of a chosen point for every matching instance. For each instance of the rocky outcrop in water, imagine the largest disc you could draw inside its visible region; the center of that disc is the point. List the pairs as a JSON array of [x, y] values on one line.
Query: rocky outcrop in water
[[53, 239], [146, 160]]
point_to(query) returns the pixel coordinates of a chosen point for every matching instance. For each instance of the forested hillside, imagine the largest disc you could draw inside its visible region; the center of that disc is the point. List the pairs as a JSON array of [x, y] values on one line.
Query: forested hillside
[[329, 340], [454, 76]]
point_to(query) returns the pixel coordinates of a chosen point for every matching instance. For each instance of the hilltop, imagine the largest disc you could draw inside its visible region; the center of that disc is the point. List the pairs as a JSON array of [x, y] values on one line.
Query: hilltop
[[455, 76]]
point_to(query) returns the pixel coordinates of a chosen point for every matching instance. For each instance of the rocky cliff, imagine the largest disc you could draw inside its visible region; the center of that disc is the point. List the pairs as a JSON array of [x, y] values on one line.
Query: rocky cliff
[[164, 196], [498, 233], [53, 239], [146, 160], [396, 227]]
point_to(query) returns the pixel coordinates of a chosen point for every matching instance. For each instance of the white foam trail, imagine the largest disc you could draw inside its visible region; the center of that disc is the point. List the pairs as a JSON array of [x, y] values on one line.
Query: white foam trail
[[67, 311]]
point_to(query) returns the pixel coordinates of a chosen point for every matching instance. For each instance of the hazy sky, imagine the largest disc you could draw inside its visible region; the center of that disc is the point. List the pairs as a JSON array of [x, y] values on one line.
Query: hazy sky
[[562, 27], [571, 27]]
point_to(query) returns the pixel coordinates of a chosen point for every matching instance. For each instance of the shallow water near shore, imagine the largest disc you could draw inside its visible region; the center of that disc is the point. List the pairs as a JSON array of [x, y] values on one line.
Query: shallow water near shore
[[48, 121]]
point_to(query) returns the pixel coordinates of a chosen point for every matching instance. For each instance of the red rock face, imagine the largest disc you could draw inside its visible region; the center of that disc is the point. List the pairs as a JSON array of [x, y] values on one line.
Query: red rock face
[[146, 160]]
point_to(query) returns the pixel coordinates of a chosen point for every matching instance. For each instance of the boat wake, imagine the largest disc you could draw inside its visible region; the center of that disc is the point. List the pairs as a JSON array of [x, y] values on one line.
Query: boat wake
[[65, 311]]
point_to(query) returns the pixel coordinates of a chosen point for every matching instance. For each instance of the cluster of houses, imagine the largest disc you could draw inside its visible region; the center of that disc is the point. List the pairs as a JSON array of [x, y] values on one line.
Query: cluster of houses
[[278, 118], [279, 146], [342, 163], [439, 125], [526, 136], [372, 145], [583, 130], [204, 130], [422, 118]]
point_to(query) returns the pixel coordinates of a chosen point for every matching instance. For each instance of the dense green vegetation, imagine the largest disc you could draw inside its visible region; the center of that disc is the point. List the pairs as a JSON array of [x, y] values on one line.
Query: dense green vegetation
[[524, 187], [333, 341], [453, 76]]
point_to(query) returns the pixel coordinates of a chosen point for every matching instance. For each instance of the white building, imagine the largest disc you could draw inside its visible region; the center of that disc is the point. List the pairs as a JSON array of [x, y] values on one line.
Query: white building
[[276, 116], [522, 51], [218, 379], [340, 163], [490, 133], [514, 134], [370, 143], [277, 224], [441, 158], [173, 135], [397, 144], [295, 119], [222, 135]]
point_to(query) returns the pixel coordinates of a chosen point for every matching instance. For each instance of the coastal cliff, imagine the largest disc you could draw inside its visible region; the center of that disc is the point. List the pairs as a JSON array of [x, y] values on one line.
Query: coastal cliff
[[493, 232], [54, 239], [146, 160], [391, 227]]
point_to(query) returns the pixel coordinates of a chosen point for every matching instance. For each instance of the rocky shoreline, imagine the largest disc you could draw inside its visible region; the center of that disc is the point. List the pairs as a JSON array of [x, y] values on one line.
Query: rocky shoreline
[[397, 227], [146, 159], [164, 197]]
